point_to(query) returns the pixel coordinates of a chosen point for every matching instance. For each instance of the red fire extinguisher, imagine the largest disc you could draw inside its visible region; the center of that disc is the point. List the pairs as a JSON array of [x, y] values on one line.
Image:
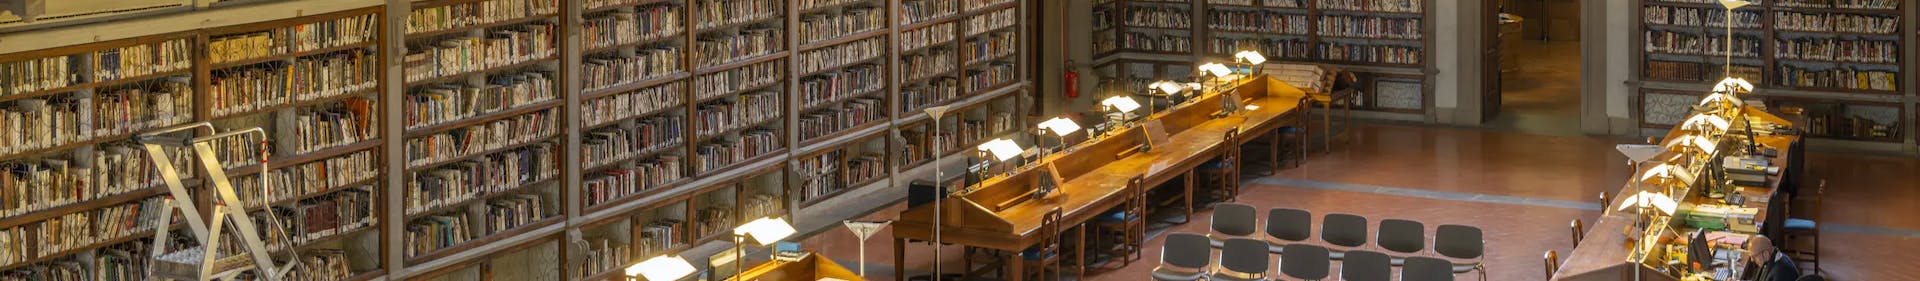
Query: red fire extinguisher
[[1072, 84]]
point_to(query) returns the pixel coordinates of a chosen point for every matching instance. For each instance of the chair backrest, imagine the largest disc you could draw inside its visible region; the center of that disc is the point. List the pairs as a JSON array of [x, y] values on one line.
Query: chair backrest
[[1305, 261], [1426, 269], [1293, 225], [1245, 255], [1137, 206], [1187, 250], [1458, 241], [1050, 232], [1346, 230], [1403, 236], [1363, 265], [1235, 219]]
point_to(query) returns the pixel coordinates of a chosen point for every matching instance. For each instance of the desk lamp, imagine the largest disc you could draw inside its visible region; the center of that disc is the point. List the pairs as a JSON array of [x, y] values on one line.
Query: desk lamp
[[938, 174], [1061, 127], [661, 268], [1122, 104], [1692, 144], [1219, 71], [1252, 60], [764, 231], [1706, 124], [1164, 87], [1668, 174]]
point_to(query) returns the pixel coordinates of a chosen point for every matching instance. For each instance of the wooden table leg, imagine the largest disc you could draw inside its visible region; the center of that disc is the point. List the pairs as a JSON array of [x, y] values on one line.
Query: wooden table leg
[[900, 259], [966, 262], [1326, 117], [1273, 150], [1080, 254], [1015, 267], [1188, 183]]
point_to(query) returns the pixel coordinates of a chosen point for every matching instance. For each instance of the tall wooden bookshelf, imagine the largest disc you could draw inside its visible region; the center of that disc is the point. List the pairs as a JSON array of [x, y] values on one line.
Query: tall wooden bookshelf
[[1844, 62], [1137, 42], [486, 147]]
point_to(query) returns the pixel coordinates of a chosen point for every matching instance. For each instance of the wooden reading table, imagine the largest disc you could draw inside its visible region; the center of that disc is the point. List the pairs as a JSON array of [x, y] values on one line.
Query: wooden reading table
[[811, 268], [998, 214]]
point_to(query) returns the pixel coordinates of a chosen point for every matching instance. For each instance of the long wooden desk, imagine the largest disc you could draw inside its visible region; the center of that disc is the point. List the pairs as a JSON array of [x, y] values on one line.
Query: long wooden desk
[[995, 214], [811, 268], [1608, 253]]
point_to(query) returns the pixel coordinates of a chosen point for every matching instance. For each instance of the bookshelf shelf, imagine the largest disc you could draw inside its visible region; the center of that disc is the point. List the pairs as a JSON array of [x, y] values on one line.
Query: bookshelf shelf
[[284, 57], [843, 39], [740, 62], [336, 188], [497, 69], [589, 8], [636, 85], [464, 29], [481, 118], [92, 85], [502, 148], [650, 191], [296, 104], [42, 258], [479, 242], [88, 205], [929, 22], [762, 159], [296, 159], [644, 41]]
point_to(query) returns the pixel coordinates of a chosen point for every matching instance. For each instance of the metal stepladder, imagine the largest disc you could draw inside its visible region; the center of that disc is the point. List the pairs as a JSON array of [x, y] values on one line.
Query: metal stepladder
[[204, 263]]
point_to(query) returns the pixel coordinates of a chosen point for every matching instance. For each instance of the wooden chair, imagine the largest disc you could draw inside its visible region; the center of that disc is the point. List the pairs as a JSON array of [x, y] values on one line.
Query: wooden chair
[[1046, 256], [1805, 229], [1345, 91], [1129, 224], [1224, 172]]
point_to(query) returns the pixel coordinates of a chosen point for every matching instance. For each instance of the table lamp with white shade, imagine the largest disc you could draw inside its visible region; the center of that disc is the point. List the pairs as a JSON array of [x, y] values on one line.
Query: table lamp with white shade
[[764, 231], [1252, 60], [661, 268], [1061, 127], [1123, 105]]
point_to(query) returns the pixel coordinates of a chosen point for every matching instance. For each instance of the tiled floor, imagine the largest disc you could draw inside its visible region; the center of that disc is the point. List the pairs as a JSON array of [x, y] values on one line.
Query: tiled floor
[[1522, 189]]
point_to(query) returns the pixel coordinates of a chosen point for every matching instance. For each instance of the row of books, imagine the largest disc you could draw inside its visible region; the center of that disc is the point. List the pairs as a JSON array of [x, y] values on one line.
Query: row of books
[[632, 179], [462, 15], [323, 264], [242, 150], [714, 219], [935, 92], [1840, 78], [616, 144], [1843, 4], [935, 62], [1389, 54], [912, 40], [831, 87], [293, 39], [603, 256], [995, 74], [1285, 48], [466, 141], [917, 11], [995, 46], [1683, 43], [1158, 43], [717, 13], [447, 103], [1850, 126], [749, 109], [1694, 71], [815, 28], [598, 4], [1839, 50], [750, 77], [645, 23], [726, 151], [306, 179], [459, 182], [867, 167], [1158, 17], [659, 235], [499, 48], [1266, 3], [432, 233], [633, 103], [1692, 16], [31, 125], [819, 174], [762, 205], [722, 48], [329, 125], [319, 218], [46, 73], [1257, 21], [859, 111], [53, 182], [1370, 27], [1825, 22], [841, 55], [806, 5], [140, 107], [238, 90], [977, 4], [996, 20], [513, 211], [600, 73], [1397, 6], [79, 230]]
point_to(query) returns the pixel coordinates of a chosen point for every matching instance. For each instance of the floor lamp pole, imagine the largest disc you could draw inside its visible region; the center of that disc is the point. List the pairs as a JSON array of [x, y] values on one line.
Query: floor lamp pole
[[938, 187]]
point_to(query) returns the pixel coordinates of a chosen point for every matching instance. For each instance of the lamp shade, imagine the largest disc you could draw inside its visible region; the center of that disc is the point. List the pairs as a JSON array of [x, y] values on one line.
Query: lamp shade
[[1060, 126], [1122, 103], [661, 268], [1722, 97], [1667, 171], [1734, 4], [1657, 201], [766, 231], [1001, 149], [1714, 121], [1729, 84], [1217, 69], [1167, 87], [1251, 57], [1693, 141]]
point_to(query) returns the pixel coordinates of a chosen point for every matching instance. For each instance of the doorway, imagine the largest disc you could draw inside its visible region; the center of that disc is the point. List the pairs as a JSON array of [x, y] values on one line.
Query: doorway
[[1538, 85]]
